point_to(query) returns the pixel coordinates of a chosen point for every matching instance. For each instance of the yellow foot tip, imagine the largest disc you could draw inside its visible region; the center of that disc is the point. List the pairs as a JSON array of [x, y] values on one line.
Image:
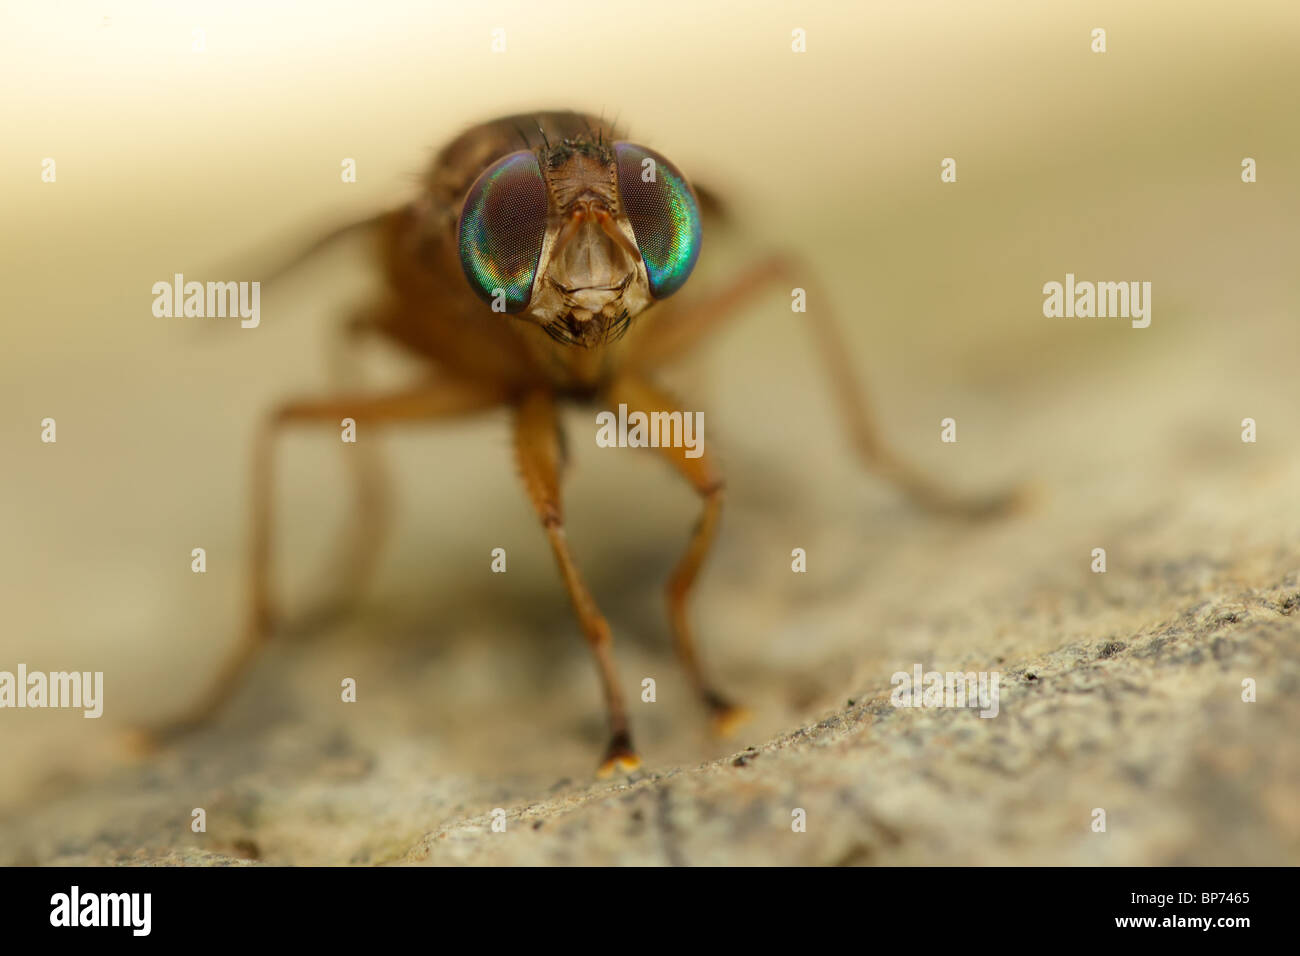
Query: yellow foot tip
[[621, 762], [728, 720]]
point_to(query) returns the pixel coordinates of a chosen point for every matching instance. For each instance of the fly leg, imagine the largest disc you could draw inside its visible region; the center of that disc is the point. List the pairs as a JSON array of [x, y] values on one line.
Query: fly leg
[[640, 395], [681, 330], [425, 402], [541, 460]]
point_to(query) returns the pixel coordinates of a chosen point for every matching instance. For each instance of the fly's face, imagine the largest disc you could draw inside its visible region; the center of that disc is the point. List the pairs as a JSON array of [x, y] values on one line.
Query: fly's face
[[579, 237]]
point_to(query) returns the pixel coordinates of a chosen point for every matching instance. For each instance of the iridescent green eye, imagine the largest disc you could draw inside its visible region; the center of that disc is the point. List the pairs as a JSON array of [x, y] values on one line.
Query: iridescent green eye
[[502, 225], [664, 214]]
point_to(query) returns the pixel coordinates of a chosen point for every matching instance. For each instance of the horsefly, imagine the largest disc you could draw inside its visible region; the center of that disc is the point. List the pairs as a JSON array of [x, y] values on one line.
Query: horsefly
[[544, 261]]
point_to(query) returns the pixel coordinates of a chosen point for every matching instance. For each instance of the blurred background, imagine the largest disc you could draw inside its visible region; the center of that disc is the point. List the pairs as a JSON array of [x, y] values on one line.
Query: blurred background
[[476, 689]]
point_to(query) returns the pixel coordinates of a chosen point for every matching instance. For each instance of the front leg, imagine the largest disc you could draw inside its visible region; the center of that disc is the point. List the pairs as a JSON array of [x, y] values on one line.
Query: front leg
[[541, 459], [641, 395]]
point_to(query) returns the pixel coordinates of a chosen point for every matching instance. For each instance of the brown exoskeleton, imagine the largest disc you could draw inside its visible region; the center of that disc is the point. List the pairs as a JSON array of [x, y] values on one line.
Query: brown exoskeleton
[[537, 243]]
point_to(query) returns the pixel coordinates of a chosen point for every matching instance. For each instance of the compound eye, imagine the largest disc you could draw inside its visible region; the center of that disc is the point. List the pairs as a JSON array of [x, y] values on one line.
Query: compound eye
[[664, 214], [502, 225]]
